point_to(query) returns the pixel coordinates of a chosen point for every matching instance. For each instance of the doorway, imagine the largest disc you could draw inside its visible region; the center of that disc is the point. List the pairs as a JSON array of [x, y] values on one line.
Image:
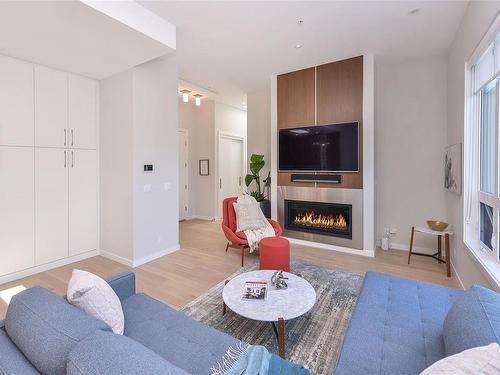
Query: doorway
[[231, 168], [183, 174]]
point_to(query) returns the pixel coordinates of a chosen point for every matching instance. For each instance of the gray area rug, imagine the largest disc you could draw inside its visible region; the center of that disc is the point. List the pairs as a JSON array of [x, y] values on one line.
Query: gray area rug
[[314, 339]]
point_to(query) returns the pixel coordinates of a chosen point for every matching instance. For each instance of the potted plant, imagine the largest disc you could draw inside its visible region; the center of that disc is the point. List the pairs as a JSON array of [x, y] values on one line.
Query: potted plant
[[256, 164]]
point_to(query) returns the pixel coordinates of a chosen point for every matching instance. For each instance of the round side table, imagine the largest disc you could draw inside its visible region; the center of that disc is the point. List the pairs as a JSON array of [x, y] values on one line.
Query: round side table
[[438, 255]]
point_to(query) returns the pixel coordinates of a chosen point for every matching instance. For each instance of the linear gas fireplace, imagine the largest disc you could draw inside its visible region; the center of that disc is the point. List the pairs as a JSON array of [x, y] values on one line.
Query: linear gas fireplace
[[324, 216], [331, 219]]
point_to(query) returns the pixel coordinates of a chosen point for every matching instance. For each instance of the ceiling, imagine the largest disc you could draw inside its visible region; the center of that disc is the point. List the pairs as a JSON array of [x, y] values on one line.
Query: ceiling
[[74, 37], [234, 47]]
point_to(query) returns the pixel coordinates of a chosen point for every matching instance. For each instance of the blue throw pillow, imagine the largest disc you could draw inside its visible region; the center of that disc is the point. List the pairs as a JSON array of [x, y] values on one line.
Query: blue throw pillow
[[472, 321], [45, 327]]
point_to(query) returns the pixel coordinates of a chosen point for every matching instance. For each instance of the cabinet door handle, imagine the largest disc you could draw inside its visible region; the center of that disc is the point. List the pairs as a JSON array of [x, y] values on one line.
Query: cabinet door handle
[[71, 137], [72, 159], [65, 137], [64, 158]]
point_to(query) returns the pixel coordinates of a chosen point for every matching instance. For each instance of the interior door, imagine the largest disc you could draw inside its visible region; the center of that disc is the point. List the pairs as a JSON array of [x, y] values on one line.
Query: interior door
[[16, 102], [51, 107], [82, 165], [17, 209], [231, 178], [51, 204], [183, 175], [82, 112]]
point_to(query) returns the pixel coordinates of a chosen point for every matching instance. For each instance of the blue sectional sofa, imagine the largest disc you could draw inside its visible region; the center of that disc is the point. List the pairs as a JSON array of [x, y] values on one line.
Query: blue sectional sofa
[[402, 326], [42, 333]]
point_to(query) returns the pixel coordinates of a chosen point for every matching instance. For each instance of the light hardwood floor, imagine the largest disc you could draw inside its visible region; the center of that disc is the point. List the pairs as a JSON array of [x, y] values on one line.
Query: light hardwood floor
[[201, 263]]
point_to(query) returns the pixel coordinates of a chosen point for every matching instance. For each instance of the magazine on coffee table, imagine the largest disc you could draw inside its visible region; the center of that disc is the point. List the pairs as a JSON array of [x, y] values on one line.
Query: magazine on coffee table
[[255, 291]]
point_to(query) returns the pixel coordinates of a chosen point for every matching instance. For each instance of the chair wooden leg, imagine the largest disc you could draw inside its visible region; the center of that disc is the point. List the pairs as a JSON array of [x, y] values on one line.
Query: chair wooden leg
[[224, 309], [227, 246], [242, 255], [411, 243]]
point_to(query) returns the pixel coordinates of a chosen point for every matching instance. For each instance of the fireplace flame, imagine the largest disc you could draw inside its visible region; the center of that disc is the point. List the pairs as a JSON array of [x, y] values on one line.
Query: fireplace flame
[[311, 219]]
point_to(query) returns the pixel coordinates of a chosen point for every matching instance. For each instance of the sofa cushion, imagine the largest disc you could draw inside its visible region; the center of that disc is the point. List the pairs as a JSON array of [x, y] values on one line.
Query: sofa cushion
[[12, 360], [112, 354], [473, 320], [45, 327], [396, 327], [182, 341]]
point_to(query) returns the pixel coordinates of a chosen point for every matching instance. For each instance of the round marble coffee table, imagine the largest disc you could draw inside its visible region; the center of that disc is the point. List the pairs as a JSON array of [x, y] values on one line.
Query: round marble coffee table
[[280, 305]]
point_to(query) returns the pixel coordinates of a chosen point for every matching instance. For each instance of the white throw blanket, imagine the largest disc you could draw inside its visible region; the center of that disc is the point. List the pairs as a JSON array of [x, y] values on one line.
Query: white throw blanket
[[261, 230]]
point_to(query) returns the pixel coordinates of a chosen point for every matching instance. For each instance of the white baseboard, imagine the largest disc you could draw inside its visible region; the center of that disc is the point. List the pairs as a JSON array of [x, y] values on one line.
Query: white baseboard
[[117, 258], [200, 217], [158, 254], [138, 262], [48, 266], [366, 253]]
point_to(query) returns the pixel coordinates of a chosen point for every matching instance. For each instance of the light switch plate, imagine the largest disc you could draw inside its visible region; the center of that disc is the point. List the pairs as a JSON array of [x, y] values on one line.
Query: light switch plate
[[147, 188], [167, 186]]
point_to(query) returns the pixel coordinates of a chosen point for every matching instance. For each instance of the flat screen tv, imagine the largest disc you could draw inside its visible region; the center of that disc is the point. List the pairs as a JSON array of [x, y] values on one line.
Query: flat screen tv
[[329, 148]]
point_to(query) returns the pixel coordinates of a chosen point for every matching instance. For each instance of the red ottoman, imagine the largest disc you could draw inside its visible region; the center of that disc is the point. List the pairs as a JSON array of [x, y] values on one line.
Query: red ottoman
[[275, 254]]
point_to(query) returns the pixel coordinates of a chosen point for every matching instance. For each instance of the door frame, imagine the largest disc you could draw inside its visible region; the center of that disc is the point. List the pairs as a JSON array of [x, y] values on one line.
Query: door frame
[[222, 134], [186, 132]]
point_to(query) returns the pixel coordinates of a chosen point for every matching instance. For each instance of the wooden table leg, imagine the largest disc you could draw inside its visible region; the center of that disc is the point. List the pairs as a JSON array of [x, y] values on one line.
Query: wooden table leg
[[223, 303], [281, 337], [411, 243], [448, 256], [440, 256]]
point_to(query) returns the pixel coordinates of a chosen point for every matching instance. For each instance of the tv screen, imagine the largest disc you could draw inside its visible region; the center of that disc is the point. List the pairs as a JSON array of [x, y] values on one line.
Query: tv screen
[[332, 148]]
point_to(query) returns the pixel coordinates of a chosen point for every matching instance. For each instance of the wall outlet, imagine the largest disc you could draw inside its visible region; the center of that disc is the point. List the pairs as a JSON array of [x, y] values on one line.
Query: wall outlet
[[147, 188], [167, 186]]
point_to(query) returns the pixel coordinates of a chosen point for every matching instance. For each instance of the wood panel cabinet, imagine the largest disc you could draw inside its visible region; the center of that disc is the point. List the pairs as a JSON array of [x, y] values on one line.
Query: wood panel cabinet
[[51, 107], [17, 209], [340, 91], [16, 102], [51, 204], [82, 124], [296, 99], [82, 201]]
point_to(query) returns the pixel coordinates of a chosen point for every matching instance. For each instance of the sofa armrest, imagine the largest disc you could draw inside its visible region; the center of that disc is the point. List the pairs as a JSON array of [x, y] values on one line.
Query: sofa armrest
[[123, 284]]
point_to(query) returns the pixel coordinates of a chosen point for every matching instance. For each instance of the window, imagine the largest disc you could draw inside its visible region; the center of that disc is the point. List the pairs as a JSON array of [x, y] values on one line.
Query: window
[[482, 159]]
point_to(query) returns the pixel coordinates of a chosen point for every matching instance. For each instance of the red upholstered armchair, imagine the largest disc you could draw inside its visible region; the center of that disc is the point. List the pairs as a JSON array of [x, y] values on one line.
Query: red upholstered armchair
[[237, 240]]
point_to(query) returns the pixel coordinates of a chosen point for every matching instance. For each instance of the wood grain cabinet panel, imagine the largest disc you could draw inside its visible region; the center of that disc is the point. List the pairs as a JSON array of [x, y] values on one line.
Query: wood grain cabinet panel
[[340, 91], [296, 99]]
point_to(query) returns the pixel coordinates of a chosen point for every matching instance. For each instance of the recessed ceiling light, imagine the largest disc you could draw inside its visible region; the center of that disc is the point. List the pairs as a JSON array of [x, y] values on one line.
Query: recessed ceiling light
[[300, 22], [298, 46], [413, 11]]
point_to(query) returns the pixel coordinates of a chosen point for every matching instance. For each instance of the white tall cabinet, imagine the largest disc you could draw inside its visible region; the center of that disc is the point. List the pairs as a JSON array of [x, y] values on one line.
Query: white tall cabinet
[[48, 166]]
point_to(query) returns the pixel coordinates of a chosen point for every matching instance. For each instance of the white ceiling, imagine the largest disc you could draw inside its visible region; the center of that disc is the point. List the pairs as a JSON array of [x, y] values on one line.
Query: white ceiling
[[234, 47], [74, 37]]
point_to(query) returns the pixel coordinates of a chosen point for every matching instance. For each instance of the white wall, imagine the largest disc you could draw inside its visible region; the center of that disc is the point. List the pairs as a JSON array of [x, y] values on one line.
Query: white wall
[[139, 211], [476, 21], [259, 125], [230, 119], [156, 212], [410, 139], [116, 143]]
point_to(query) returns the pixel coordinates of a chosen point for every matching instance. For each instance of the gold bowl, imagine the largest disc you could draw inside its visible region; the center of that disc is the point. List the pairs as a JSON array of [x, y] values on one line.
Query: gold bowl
[[437, 225]]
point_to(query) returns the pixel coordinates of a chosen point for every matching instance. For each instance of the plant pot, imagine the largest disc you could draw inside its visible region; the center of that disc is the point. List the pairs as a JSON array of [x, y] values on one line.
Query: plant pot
[[265, 206]]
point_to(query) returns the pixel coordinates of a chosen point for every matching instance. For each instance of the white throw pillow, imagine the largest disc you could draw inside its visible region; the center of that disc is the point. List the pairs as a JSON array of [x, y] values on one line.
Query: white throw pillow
[[483, 360], [248, 216], [95, 296]]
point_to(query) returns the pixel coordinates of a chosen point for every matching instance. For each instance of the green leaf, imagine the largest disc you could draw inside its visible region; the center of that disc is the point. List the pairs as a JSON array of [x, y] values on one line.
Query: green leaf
[[248, 179], [259, 197], [255, 158], [255, 167]]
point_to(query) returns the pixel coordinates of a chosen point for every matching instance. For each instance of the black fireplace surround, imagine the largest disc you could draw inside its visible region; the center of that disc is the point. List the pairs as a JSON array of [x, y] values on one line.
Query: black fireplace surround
[[331, 219]]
